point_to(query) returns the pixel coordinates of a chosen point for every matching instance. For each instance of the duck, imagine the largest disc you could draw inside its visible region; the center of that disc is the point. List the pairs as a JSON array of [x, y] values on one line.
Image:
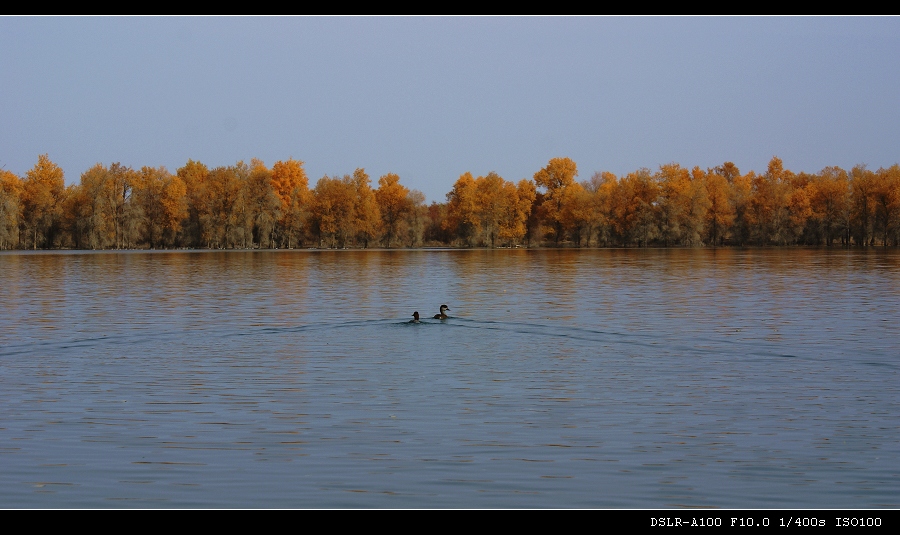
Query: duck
[[442, 315], [415, 317]]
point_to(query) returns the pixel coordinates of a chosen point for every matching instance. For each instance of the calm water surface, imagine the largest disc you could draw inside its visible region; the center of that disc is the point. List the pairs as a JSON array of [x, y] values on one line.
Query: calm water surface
[[596, 378]]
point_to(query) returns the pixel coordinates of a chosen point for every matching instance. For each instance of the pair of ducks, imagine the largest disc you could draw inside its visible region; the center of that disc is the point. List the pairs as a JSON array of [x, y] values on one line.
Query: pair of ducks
[[441, 316]]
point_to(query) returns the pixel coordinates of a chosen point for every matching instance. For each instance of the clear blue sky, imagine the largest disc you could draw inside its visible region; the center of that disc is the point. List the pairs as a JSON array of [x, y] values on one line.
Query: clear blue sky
[[430, 98]]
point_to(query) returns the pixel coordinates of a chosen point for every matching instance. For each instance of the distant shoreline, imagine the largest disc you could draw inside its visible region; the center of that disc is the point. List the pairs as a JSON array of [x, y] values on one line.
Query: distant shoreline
[[451, 248]]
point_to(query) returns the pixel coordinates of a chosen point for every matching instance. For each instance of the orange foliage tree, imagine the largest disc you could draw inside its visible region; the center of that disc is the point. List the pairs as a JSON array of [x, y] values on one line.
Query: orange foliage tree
[[194, 175], [887, 204], [366, 215], [251, 206], [720, 213], [513, 224], [492, 202], [161, 198], [829, 196], [768, 202], [260, 206], [633, 208], [10, 209], [42, 196], [95, 208], [393, 204], [292, 189], [462, 215], [332, 210], [863, 187], [556, 177]]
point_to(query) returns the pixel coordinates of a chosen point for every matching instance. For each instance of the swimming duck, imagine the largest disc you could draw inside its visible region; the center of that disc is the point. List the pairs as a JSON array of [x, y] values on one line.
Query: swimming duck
[[415, 317], [442, 315]]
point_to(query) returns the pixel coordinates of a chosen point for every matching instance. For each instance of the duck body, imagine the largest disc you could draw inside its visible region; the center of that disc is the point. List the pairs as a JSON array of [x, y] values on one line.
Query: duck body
[[442, 315], [415, 317]]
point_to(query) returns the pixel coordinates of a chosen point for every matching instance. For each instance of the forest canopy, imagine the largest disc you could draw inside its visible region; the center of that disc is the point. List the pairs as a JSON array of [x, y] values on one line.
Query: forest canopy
[[252, 206]]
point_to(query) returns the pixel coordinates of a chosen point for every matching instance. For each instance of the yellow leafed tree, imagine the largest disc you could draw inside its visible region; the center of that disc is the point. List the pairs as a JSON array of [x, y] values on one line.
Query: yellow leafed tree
[[162, 200], [332, 211], [393, 205], [557, 177], [720, 215], [829, 196], [516, 210], [262, 205], [194, 175], [462, 214], [10, 209], [366, 216], [887, 204], [42, 195], [292, 188], [95, 208]]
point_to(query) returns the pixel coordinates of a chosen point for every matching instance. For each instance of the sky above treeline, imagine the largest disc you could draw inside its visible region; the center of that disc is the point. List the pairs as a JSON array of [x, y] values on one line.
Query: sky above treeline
[[430, 98]]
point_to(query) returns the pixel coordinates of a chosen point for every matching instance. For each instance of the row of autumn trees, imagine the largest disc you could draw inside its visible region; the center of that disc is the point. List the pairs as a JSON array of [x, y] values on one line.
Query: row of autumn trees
[[238, 206], [254, 206]]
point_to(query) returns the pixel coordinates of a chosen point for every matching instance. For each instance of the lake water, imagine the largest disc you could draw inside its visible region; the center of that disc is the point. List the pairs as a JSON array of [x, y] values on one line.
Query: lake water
[[762, 378]]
